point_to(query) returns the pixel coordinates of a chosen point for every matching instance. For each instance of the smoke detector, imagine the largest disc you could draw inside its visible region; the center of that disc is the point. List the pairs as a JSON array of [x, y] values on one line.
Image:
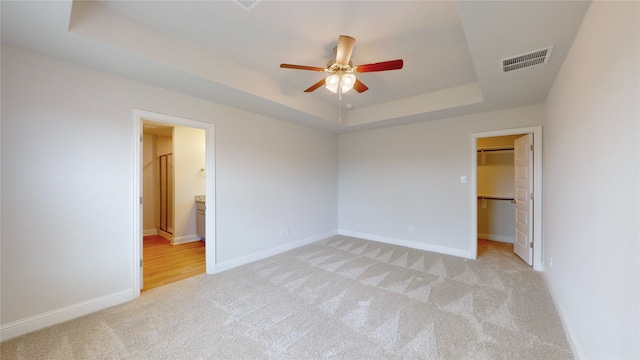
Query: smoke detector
[[532, 58]]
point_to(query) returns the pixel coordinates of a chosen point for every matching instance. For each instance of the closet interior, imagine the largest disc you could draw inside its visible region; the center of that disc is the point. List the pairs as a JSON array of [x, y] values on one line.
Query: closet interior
[[496, 188]]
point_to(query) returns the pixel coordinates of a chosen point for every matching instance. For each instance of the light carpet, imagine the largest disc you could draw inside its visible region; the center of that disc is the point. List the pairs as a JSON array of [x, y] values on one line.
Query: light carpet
[[339, 298]]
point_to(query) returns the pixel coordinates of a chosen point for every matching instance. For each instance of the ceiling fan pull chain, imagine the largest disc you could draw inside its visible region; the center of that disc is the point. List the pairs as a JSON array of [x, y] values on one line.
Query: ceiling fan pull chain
[[339, 105]]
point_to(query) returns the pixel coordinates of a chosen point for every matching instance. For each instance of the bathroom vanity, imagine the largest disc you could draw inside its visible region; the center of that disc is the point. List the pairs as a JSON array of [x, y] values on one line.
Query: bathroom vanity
[[200, 216]]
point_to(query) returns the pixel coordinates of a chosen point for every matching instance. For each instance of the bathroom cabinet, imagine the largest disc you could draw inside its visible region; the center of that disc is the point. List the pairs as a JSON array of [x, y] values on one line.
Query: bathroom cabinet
[[200, 219]]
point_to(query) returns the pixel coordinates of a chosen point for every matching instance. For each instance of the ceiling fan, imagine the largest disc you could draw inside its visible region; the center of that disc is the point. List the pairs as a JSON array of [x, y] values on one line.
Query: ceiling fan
[[342, 72]]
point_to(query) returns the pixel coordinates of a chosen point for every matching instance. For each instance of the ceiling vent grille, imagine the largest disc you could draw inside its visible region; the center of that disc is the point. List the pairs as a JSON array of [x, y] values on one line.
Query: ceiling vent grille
[[247, 4], [525, 60]]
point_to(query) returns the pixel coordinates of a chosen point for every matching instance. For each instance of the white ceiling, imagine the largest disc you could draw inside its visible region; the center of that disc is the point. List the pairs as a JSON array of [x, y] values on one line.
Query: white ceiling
[[218, 51]]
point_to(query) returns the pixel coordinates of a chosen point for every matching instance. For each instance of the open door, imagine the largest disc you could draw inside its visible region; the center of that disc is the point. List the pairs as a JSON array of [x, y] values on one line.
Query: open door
[[523, 166]]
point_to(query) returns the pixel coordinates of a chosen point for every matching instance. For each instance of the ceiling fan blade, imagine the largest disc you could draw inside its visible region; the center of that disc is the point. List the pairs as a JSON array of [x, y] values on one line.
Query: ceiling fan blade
[[345, 47], [381, 66], [301, 67], [315, 86], [359, 86]]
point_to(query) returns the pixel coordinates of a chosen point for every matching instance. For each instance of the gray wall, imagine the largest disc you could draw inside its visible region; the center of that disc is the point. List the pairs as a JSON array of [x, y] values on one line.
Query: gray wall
[[67, 184], [591, 209], [409, 176]]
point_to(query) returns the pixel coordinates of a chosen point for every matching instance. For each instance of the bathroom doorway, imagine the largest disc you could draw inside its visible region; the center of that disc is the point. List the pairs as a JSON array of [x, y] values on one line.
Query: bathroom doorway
[[165, 212], [173, 249]]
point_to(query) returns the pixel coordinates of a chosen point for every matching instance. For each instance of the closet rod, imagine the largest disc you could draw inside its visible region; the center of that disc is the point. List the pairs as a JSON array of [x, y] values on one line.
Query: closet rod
[[504, 148], [480, 197]]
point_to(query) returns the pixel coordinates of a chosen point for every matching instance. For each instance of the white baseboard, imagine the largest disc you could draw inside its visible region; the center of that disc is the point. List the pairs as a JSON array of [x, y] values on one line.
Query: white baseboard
[[33, 323], [568, 330], [493, 237], [230, 264], [148, 232], [185, 239], [166, 235], [408, 243]]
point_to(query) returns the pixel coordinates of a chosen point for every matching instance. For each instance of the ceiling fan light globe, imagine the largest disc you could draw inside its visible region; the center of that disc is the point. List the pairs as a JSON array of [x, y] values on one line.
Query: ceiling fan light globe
[[347, 81], [332, 82]]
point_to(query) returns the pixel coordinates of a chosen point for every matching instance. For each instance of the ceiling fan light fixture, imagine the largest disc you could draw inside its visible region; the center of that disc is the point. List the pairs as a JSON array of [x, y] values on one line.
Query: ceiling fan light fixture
[[341, 72], [332, 82], [347, 81]]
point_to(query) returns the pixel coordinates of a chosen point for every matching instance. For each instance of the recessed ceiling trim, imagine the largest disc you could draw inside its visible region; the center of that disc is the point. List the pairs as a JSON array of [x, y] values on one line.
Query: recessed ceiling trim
[[247, 4], [535, 57]]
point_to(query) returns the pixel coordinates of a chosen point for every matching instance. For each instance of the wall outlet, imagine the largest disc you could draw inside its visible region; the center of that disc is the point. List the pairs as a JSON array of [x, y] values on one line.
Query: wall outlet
[[463, 179]]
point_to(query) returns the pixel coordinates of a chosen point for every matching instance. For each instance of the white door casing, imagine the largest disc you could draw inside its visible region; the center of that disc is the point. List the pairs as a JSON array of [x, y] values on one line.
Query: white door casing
[[140, 215], [523, 179]]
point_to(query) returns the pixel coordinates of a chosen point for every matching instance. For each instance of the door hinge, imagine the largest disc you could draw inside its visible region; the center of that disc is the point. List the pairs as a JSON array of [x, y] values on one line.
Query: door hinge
[[530, 245], [140, 138], [531, 147], [140, 200], [531, 196], [140, 262]]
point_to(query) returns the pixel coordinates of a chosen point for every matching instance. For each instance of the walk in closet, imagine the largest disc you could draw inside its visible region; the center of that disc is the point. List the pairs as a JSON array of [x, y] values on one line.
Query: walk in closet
[[496, 188]]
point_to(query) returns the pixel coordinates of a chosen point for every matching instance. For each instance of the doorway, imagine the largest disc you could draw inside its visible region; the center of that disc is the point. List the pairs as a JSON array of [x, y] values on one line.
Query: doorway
[[207, 172], [502, 199], [173, 158]]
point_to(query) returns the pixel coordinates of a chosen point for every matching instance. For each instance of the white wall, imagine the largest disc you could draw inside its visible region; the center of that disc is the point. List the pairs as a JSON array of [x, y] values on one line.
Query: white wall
[[496, 175], [591, 180], [409, 176], [67, 203], [188, 160], [496, 221]]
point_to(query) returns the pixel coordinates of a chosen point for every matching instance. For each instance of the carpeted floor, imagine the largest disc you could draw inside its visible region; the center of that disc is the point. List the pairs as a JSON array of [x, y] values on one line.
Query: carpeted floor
[[339, 298]]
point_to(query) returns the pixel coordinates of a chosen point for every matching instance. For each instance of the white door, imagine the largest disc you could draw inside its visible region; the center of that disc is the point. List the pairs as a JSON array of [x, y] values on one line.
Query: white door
[[523, 164]]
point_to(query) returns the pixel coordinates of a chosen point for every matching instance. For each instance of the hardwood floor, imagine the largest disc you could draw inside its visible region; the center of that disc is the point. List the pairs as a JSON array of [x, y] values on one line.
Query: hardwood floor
[[165, 263]]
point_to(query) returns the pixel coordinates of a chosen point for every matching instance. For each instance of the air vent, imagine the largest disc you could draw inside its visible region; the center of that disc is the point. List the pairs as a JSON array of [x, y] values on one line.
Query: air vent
[[525, 60], [247, 4]]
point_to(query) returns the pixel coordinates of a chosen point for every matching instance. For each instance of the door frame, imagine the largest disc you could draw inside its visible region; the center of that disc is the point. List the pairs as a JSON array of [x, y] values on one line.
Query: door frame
[[210, 224], [537, 189]]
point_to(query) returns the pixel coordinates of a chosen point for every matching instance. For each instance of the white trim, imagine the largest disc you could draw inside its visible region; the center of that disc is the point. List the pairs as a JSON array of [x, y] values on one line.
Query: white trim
[[407, 243], [566, 323], [210, 255], [230, 264], [166, 235], [136, 197], [210, 199], [494, 237], [185, 239], [149, 232], [66, 313], [537, 189]]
